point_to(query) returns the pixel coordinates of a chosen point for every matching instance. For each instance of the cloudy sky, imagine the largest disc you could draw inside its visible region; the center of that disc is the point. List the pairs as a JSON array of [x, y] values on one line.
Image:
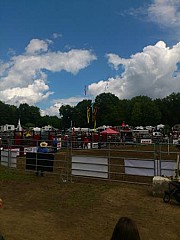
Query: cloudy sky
[[58, 52]]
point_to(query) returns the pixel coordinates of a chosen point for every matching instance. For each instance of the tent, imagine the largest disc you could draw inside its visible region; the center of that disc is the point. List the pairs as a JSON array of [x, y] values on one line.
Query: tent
[[109, 131], [109, 135]]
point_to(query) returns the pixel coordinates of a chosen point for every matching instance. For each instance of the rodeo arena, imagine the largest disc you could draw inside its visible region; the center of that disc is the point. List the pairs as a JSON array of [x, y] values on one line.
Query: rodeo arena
[[140, 155]]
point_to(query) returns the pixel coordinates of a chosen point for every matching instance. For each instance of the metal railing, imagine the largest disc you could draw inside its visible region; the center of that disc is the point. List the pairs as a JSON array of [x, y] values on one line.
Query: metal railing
[[110, 161]]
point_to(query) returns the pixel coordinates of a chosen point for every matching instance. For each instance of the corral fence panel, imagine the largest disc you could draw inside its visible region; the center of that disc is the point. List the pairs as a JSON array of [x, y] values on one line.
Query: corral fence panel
[[124, 162], [110, 161]]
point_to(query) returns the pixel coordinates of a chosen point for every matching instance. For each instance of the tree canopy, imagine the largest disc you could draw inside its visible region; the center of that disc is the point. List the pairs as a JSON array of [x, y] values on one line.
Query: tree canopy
[[29, 116], [106, 109], [138, 111]]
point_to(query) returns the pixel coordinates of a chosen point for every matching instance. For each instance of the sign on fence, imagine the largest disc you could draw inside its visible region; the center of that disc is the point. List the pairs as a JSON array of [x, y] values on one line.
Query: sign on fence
[[139, 167], [8, 157], [90, 166], [146, 141], [150, 167]]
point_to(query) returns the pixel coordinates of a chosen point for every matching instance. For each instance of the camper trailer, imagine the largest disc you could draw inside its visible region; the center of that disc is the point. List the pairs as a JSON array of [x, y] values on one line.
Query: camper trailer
[[7, 127]]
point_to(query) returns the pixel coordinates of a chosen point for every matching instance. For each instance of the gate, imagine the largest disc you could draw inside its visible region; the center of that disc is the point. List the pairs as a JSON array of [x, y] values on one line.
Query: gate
[[120, 162]]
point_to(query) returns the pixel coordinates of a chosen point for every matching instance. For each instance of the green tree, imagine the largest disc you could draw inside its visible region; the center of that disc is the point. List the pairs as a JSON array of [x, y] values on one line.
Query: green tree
[[169, 107], [67, 116], [80, 114], [144, 112], [8, 114], [125, 107], [50, 120], [29, 114], [109, 111]]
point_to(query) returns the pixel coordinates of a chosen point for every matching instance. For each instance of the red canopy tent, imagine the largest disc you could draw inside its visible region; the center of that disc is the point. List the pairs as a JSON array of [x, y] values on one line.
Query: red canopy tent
[[109, 131], [109, 135]]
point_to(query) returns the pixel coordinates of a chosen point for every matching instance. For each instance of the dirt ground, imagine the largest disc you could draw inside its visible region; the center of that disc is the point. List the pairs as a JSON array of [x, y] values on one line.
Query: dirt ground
[[44, 208]]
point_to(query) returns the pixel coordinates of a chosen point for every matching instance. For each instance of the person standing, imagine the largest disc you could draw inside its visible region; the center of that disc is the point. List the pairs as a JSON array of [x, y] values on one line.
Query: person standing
[[54, 144], [43, 148], [86, 141]]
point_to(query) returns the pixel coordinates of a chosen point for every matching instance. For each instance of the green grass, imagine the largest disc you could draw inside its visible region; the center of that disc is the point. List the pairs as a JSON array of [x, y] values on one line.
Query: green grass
[[8, 174], [86, 196]]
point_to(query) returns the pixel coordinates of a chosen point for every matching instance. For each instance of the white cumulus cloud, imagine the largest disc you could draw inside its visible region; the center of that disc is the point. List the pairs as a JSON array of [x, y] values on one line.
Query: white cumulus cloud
[[37, 46], [150, 73], [35, 92], [24, 79], [57, 35], [54, 109], [165, 12]]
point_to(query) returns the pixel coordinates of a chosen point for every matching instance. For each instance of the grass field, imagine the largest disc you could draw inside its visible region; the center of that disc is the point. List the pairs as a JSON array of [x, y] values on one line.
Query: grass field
[[45, 209]]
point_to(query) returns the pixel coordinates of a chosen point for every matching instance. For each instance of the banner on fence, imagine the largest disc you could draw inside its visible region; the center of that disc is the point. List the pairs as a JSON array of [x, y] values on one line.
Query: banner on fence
[[8, 157], [30, 149], [150, 167], [168, 167], [139, 167], [90, 166]]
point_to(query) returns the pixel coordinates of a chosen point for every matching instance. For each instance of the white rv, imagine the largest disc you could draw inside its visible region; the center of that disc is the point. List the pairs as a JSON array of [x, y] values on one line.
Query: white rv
[[7, 127]]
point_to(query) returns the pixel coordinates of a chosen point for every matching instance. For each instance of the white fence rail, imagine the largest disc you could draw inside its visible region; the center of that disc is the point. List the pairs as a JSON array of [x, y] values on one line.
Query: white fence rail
[[130, 163]]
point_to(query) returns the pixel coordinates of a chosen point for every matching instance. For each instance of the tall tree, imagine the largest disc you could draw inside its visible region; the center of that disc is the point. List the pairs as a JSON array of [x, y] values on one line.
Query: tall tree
[[67, 116], [50, 120], [108, 112], [144, 111], [80, 114], [8, 114], [29, 114], [169, 107]]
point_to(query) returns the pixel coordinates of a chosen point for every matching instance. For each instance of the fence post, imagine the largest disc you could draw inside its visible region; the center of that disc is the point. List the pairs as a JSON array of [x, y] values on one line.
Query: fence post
[[109, 160], [69, 158], [177, 167], [157, 170], [9, 156]]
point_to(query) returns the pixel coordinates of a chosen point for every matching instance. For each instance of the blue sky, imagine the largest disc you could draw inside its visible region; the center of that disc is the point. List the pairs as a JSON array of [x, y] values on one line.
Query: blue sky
[[51, 50]]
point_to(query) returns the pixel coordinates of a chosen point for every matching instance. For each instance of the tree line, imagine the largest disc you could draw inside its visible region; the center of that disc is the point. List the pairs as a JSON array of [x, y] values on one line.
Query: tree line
[[29, 116], [106, 109], [112, 111]]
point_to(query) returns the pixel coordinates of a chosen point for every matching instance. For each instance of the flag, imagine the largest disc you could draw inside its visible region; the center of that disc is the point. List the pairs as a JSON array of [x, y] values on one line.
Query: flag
[[88, 114], [85, 91], [94, 112], [94, 116], [94, 124]]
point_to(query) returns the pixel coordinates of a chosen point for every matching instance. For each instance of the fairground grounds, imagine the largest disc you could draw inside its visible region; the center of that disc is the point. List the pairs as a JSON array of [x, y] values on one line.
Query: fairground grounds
[[44, 208]]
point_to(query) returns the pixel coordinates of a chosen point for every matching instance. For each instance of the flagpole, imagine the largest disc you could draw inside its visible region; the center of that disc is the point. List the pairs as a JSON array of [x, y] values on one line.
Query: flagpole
[[85, 91]]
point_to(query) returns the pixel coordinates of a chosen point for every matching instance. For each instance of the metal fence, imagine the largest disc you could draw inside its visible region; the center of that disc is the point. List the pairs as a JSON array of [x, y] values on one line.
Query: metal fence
[[112, 161]]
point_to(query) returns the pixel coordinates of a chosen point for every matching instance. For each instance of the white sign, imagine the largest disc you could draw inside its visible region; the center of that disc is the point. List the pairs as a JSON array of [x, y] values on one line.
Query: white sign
[[146, 141], [149, 167], [30, 149], [90, 166], [8, 157], [140, 167]]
